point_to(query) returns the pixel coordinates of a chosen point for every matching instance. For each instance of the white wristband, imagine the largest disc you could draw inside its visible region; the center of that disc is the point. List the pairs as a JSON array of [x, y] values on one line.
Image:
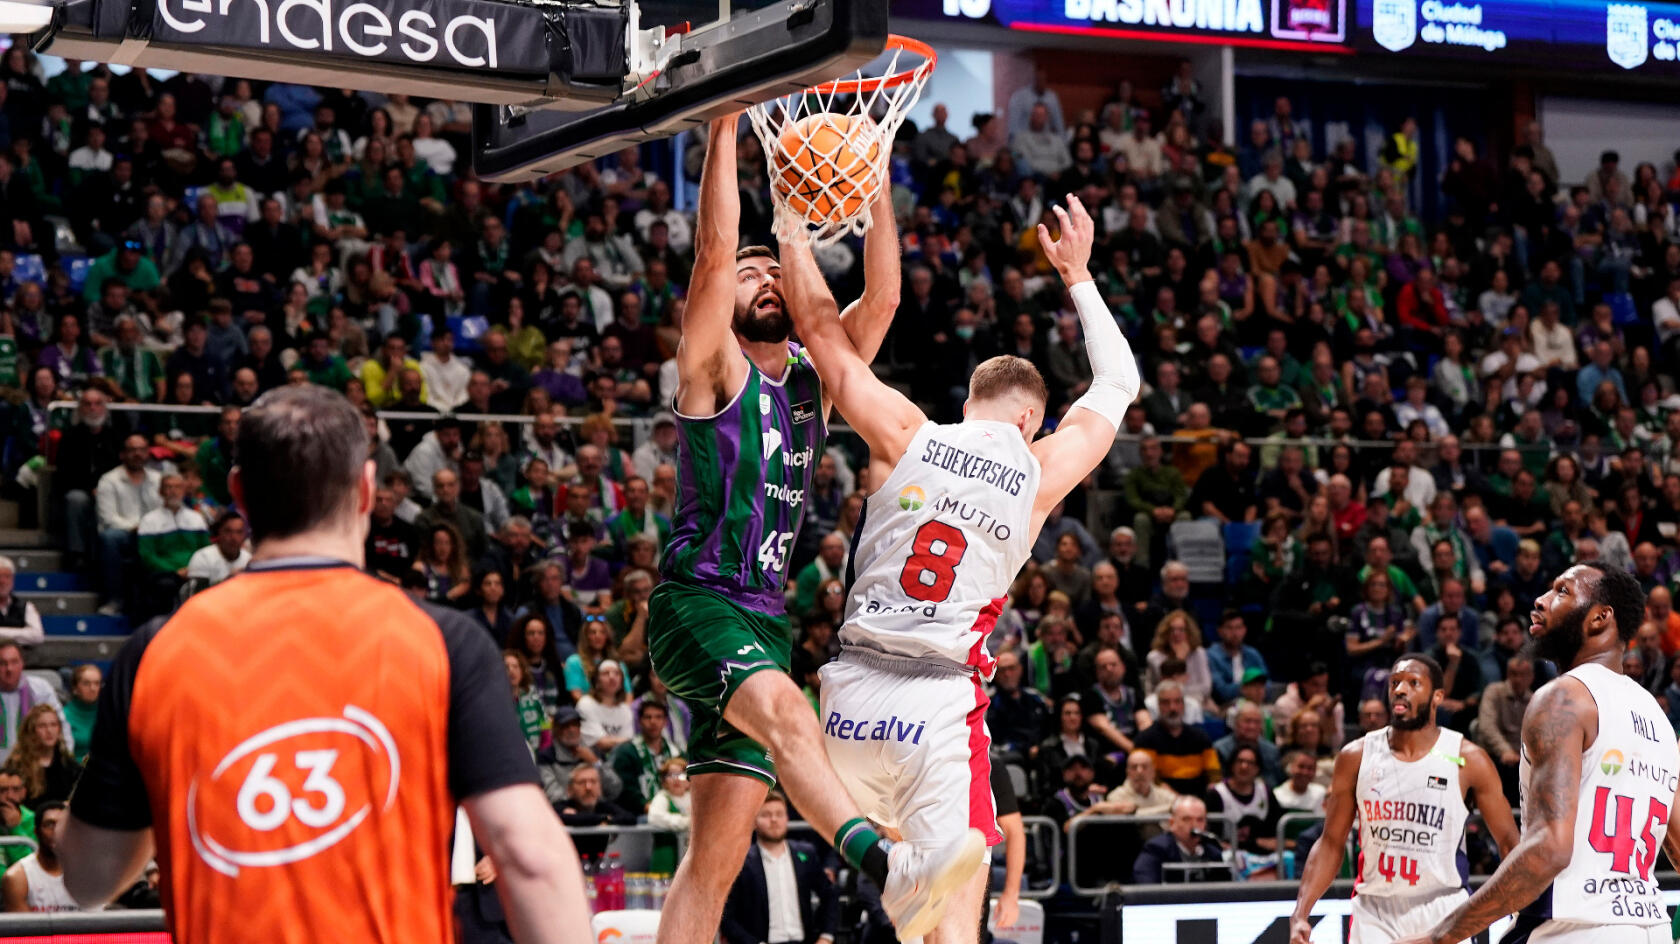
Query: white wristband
[[1114, 371]]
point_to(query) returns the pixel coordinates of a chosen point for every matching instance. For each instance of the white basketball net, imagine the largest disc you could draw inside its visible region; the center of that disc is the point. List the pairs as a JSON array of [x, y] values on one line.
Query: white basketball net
[[856, 116]]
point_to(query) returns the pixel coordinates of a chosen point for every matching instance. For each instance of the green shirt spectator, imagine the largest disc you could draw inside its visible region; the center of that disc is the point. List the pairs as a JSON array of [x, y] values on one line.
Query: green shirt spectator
[[1155, 485], [12, 795], [215, 457], [1537, 450], [1276, 399], [225, 133], [82, 706], [70, 87], [128, 264], [1347, 252], [533, 721], [637, 761], [9, 361], [1411, 519], [1404, 589], [830, 562], [1291, 372], [422, 183], [135, 369], [628, 524], [169, 536], [324, 368]]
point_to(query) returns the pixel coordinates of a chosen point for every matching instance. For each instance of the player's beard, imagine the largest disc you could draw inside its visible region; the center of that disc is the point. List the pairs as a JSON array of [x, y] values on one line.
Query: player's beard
[[764, 327], [1562, 642], [1416, 720]]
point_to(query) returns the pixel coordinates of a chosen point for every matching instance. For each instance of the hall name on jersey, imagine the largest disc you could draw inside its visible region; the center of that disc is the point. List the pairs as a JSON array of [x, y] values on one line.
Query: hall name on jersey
[[1645, 728], [965, 464]]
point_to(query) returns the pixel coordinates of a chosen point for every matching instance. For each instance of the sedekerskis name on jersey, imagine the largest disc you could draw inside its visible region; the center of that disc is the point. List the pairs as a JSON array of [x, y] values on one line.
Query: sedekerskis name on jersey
[[965, 464], [891, 729]]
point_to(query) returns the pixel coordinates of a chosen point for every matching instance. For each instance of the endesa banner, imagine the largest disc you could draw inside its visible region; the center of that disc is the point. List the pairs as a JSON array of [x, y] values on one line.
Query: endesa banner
[[1586, 34], [461, 34], [1305, 25]]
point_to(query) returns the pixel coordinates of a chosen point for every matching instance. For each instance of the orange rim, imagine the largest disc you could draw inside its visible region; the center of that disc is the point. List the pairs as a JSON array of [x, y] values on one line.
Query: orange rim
[[894, 41]]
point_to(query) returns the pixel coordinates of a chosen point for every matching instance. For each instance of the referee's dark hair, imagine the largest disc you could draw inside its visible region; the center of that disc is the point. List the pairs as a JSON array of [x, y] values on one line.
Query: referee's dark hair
[[1620, 591], [300, 458]]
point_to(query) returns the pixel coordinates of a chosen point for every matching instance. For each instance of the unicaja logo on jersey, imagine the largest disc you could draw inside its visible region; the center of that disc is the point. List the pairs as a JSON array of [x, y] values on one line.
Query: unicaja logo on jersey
[[912, 498], [293, 791], [1611, 763]]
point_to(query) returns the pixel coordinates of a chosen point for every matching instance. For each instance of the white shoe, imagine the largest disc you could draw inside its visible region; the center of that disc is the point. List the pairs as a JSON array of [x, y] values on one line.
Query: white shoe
[[920, 880]]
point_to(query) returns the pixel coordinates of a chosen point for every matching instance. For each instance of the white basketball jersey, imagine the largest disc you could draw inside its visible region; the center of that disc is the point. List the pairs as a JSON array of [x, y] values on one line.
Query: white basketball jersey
[[1411, 820], [940, 542], [1628, 778], [46, 892]]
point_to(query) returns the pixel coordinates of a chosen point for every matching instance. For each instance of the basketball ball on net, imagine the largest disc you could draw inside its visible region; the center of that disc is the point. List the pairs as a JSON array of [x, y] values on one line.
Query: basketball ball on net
[[826, 166]]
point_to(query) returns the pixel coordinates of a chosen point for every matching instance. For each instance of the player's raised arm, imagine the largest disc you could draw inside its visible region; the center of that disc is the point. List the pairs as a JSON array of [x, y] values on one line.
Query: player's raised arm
[[709, 366], [868, 318], [1086, 433], [881, 415], [1554, 734], [1490, 798], [1325, 860]]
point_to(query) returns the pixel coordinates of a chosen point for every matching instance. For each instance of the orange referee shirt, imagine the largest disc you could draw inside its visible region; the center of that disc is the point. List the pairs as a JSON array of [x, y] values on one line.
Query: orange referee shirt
[[298, 738]]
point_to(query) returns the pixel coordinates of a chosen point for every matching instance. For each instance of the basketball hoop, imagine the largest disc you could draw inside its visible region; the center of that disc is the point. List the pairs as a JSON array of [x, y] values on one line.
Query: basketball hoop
[[829, 146]]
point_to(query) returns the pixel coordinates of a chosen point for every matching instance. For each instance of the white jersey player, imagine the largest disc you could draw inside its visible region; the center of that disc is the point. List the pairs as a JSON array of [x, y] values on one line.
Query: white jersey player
[[1407, 786], [942, 537], [1599, 775], [36, 881]]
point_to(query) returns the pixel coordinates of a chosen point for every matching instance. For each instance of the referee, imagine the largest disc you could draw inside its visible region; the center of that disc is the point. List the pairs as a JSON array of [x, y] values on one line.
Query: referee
[[293, 742]]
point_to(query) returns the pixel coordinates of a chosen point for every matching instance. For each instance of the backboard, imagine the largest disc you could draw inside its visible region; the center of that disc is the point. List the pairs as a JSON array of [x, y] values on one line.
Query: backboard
[[688, 62], [554, 82]]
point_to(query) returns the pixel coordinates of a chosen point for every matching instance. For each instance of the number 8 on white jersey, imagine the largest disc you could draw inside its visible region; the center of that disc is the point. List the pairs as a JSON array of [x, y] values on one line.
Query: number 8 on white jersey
[[945, 535]]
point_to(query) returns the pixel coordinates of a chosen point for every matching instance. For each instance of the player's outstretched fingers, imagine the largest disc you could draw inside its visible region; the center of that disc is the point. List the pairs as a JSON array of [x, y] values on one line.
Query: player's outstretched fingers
[[1062, 218], [1082, 225], [789, 230], [1052, 250]]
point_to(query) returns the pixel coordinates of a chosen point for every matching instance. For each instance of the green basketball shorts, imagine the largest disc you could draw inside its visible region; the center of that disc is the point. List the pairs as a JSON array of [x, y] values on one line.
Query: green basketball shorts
[[703, 647]]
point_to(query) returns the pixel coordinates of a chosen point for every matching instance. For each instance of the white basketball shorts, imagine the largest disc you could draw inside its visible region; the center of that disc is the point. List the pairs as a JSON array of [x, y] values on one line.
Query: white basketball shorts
[[1383, 920], [909, 741], [1530, 931]]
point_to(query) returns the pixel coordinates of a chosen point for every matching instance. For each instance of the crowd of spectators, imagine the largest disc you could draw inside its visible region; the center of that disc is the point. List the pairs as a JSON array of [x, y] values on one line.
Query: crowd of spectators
[[1396, 431]]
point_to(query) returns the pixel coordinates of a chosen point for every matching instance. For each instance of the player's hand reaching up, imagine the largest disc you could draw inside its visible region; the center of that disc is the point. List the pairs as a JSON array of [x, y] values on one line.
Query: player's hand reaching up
[[724, 126], [1070, 252], [790, 231]]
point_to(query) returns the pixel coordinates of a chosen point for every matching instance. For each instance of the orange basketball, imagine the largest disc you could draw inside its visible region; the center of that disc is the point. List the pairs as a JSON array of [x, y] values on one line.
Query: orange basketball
[[826, 166]]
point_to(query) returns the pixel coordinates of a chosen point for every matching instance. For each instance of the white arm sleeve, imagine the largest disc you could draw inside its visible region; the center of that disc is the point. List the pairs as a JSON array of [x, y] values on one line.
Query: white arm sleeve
[[1114, 371]]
